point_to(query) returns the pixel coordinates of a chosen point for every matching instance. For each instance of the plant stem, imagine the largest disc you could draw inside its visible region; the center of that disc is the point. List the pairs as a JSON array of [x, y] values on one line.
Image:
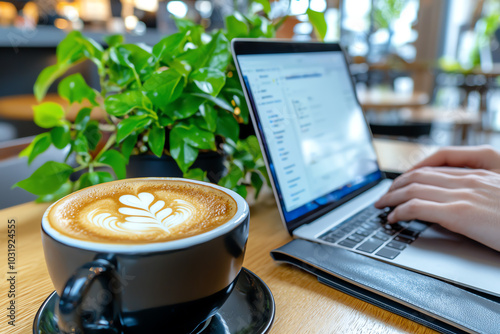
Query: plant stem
[[107, 127], [137, 79], [77, 169], [278, 24], [152, 113], [106, 117], [109, 143], [102, 83]]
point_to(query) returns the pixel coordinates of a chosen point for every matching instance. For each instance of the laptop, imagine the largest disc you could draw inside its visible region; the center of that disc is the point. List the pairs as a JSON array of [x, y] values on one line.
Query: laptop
[[324, 170]]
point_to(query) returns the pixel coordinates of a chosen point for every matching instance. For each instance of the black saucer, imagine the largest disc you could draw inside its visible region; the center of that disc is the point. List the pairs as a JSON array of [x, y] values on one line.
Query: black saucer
[[249, 309]]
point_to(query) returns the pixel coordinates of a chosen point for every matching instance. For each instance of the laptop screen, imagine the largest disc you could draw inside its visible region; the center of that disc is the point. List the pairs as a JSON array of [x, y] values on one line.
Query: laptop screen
[[312, 127]]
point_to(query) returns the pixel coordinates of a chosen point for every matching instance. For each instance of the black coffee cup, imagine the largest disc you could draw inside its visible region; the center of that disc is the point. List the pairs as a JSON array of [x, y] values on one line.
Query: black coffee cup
[[167, 287]]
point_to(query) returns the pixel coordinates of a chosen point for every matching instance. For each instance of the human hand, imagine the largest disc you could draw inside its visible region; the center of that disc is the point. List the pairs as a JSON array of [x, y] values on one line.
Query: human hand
[[466, 201]]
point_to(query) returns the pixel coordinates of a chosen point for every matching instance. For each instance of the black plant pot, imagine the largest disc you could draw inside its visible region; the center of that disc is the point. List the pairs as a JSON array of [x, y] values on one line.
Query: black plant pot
[[147, 165]]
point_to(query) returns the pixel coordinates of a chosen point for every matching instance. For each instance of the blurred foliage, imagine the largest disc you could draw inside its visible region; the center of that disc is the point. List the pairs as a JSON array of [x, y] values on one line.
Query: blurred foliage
[[386, 11], [485, 31]]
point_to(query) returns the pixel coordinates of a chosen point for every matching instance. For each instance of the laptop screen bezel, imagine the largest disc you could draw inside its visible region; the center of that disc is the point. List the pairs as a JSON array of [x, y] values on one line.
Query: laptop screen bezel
[[257, 47]]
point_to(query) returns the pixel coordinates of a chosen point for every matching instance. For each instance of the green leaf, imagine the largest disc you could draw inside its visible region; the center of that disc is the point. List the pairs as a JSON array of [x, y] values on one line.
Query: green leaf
[[219, 54], [219, 101], [46, 78], [228, 147], [236, 26], [215, 55], [196, 137], [156, 140], [239, 164], [164, 87], [74, 89], [256, 179], [93, 178], [208, 80], [47, 179], [48, 114], [182, 67], [121, 56], [81, 147], [183, 24], [134, 57], [182, 153], [195, 58], [236, 95], [70, 49], [39, 145], [165, 121], [113, 40], [263, 171], [70, 152], [266, 6], [128, 145], [210, 115], [170, 46], [121, 104], [141, 60], [318, 21], [198, 121], [129, 125], [227, 126], [185, 106], [90, 48], [82, 118], [61, 136], [92, 134], [120, 76], [244, 158], [115, 160], [241, 190], [193, 30], [253, 147], [231, 179], [196, 174], [64, 190], [262, 27], [195, 35]]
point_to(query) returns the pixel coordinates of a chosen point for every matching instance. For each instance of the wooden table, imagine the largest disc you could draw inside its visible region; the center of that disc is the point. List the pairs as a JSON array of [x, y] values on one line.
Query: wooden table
[[381, 100], [303, 305], [20, 107], [461, 120]]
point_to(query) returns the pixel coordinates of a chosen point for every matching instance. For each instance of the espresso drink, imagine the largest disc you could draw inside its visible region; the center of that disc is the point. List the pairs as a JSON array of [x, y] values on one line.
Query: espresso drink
[[138, 211]]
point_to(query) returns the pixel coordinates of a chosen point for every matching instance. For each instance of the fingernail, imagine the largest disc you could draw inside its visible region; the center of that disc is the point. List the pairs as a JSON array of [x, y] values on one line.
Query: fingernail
[[390, 217]]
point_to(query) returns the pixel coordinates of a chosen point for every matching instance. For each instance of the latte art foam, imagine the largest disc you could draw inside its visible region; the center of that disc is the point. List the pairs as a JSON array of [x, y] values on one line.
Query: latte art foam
[[141, 210], [143, 216]]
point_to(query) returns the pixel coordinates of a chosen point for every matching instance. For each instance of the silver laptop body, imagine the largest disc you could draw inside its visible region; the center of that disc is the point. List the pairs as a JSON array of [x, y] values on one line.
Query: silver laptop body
[[323, 167]]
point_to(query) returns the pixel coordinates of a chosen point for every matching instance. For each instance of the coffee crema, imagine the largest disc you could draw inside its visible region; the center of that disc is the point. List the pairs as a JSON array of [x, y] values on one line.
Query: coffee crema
[[139, 211]]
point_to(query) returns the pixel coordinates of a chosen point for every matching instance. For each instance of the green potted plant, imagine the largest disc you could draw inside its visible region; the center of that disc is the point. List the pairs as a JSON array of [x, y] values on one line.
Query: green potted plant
[[385, 12], [175, 100]]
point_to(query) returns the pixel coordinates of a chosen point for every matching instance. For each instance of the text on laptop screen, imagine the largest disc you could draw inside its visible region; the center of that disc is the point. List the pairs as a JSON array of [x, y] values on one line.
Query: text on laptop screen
[[318, 143]]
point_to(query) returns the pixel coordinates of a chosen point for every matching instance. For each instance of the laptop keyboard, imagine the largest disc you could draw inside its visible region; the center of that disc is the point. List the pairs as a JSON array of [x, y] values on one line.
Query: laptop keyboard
[[369, 232]]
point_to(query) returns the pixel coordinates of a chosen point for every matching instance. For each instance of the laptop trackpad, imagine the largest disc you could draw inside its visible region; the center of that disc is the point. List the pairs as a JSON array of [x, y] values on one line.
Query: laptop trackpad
[[444, 254]]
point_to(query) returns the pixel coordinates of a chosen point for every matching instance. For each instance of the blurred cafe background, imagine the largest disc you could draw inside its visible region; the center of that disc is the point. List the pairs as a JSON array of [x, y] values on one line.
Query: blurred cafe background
[[425, 70]]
